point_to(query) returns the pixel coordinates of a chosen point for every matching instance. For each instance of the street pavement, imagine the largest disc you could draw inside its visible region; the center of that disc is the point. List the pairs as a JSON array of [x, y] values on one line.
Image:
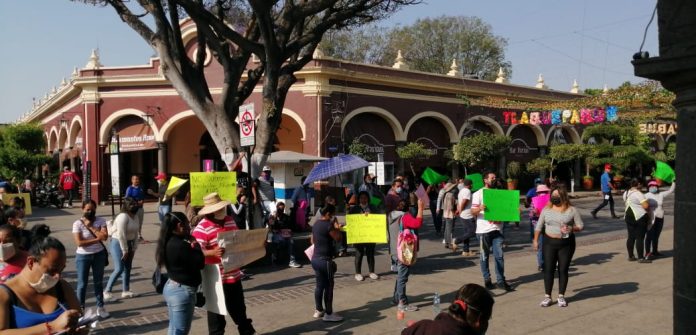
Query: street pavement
[[606, 293]]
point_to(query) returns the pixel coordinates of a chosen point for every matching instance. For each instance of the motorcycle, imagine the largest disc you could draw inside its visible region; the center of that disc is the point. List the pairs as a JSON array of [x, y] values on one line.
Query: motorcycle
[[48, 195]]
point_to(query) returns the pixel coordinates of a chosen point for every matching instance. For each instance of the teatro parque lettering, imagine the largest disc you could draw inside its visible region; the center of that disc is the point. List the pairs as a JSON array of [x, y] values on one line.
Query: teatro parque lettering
[[583, 116]]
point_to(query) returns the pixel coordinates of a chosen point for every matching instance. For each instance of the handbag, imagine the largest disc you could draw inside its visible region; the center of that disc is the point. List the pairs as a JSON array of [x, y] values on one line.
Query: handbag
[[100, 242], [159, 279]]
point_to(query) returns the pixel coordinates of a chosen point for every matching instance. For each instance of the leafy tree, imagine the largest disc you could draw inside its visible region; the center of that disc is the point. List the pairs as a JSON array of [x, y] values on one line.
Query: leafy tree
[[671, 151], [429, 45], [540, 165], [412, 151], [474, 150], [282, 34], [360, 149], [22, 149]]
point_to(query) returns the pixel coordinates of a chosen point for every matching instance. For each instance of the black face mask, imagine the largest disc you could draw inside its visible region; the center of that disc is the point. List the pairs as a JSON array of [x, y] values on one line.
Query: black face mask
[[134, 209], [89, 215], [556, 201]]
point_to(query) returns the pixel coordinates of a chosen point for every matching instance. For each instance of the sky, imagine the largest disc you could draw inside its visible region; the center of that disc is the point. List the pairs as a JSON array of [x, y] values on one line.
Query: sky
[[591, 41]]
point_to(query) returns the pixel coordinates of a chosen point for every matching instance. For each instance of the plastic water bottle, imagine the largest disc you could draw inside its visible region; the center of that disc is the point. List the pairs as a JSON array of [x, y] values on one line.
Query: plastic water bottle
[[436, 303]]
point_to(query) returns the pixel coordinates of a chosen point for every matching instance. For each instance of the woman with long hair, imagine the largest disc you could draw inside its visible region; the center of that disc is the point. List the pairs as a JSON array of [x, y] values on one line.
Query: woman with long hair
[[324, 234], [183, 259], [657, 213], [124, 242], [636, 220], [89, 232], [559, 221], [364, 249]]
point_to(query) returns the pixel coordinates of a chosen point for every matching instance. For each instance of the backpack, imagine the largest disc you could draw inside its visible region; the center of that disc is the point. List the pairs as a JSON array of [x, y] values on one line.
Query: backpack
[[406, 244]]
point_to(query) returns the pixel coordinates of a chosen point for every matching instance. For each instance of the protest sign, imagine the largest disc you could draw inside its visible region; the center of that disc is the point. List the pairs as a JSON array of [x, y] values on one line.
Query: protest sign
[[242, 247], [422, 195], [370, 228], [431, 177], [25, 196], [664, 172], [174, 185], [501, 205], [212, 290], [476, 180], [204, 183]]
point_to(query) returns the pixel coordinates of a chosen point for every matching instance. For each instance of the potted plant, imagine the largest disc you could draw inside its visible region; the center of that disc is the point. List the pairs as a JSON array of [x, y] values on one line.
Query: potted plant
[[513, 170], [587, 182]]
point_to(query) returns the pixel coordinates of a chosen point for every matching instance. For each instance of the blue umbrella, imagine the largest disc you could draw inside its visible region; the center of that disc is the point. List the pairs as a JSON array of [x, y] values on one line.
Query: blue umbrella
[[335, 166]]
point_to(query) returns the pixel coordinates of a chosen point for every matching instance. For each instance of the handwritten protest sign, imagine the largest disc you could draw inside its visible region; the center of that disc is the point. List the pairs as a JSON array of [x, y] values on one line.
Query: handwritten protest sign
[[501, 205], [476, 181], [212, 290], [371, 228], [204, 183], [242, 247], [422, 195], [25, 196], [174, 185]]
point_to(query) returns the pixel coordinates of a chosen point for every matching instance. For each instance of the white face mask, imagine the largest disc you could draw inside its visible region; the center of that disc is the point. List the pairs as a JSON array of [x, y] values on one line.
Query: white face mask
[[45, 283], [460, 186], [399, 189], [7, 251]]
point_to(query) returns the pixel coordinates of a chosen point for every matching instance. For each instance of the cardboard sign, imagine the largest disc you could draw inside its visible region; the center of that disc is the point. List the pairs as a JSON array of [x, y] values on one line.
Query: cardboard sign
[[204, 183], [501, 205], [371, 228], [27, 201], [242, 247], [174, 185], [476, 180], [212, 290]]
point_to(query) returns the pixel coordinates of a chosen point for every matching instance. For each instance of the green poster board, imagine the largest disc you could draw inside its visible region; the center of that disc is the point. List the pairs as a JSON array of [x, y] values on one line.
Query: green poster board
[[204, 183], [664, 172], [501, 205], [477, 181]]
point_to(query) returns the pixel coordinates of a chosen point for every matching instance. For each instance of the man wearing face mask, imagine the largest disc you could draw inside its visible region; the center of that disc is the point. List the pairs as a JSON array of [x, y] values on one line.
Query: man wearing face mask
[[490, 237], [266, 193], [216, 221], [164, 200], [394, 195], [39, 288], [12, 258]]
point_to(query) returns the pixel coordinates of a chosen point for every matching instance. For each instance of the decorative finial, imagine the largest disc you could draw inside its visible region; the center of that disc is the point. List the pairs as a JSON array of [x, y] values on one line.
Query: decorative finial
[[576, 87], [53, 90], [75, 72], [540, 82], [400, 64], [501, 76], [454, 69], [63, 82], [93, 62], [605, 91], [318, 54]]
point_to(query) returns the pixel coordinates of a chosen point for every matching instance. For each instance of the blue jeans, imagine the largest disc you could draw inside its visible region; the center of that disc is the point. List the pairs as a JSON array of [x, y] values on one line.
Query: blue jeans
[[492, 240], [400, 286], [121, 267], [97, 262], [279, 240], [181, 300], [162, 210]]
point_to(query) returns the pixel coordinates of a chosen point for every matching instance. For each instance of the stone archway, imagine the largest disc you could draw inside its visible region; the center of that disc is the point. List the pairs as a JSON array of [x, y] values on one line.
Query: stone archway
[[289, 135]]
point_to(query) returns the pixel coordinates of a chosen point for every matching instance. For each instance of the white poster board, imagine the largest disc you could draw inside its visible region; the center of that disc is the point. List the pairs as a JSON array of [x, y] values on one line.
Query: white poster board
[[242, 247], [212, 290], [115, 176]]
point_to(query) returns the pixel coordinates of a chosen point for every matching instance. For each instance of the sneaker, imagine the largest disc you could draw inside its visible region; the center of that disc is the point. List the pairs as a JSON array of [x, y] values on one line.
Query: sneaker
[[562, 302], [469, 253], [128, 294], [454, 246], [408, 308], [332, 317], [102, 313], [318, 314], [505, 286], [649, 256], [546, 302], [489, 285], [632, 259], [594, 215], [444, 242], [644, 261], [359, 277], [294, 264], [374, 276], [541, 269], [108, 296]]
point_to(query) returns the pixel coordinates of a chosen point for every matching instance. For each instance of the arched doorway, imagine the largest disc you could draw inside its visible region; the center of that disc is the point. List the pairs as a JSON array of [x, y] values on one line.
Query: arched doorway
[[289, 135], [523, 149], [377, 135], [433, 135], [137, 152]]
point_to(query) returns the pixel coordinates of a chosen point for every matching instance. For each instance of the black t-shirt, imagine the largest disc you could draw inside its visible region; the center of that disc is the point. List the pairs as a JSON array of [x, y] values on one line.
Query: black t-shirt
[[184, 262], [323, 243]]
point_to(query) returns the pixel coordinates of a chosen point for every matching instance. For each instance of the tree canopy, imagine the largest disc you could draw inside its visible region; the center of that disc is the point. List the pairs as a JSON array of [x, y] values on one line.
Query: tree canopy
[[22, 150], [474, 150], [428, 45]]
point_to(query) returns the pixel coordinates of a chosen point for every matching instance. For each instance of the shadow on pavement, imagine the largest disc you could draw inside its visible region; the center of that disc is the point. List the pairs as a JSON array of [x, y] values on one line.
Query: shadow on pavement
[[441, 262], [593, 259], [604, 290]]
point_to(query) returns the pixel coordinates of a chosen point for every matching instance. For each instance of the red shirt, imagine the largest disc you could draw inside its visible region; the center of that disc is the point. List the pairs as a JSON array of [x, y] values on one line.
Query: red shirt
[[206, 233], [13, 266], [69, 180]]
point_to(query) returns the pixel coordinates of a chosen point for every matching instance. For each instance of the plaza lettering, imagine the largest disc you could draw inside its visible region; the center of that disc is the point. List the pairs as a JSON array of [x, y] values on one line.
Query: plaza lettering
[[583, 116], [658, 128]]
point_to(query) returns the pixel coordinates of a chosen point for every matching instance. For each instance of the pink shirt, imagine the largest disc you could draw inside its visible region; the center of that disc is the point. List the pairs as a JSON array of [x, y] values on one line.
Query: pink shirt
[[206, 233]]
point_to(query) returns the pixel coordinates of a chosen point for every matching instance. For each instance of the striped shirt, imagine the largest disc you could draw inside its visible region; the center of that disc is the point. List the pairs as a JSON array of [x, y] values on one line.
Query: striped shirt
[[206, 233]]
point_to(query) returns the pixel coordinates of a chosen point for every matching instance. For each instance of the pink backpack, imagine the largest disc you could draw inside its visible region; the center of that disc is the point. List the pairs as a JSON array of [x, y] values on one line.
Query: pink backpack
[[406, 246]]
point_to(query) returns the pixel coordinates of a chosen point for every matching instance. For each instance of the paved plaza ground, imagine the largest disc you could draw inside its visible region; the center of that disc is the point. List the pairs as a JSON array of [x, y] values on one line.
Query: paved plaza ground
[[606, 293]]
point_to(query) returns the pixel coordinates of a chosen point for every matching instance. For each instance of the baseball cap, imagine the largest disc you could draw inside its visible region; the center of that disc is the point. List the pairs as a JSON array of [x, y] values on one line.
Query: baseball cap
[[161, 176]]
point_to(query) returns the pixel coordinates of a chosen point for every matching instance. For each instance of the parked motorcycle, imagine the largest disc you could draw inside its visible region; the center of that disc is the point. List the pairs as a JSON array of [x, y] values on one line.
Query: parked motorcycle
[[48, 194]]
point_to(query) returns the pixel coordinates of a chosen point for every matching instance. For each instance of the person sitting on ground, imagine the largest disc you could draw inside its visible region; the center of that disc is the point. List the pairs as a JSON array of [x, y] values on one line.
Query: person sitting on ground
[[467, 315], [282, 234], [12, 218], [12, 257]]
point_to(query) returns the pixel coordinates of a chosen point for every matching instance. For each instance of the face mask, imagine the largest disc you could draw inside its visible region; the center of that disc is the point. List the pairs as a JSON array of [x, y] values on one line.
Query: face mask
[[45, 283], [7, 251], [134, 209], [460, 186], [220, 215], [653, 190], [89, 215], [556, 201], [399, 189]]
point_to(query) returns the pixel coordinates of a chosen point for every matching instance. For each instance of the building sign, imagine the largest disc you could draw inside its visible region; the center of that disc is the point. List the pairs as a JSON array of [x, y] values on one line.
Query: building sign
[[136, 137], [372, 144], [658, 128], [583, 116], [520, 147]]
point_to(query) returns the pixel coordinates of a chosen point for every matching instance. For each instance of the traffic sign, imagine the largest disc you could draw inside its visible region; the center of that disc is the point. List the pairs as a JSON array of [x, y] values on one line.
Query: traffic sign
[[247, 127]]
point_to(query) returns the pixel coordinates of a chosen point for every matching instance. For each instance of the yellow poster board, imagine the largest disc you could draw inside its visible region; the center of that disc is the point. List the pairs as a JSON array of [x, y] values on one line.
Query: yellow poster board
[[27, 200], [174, 185], [204, 183], [370, 228]]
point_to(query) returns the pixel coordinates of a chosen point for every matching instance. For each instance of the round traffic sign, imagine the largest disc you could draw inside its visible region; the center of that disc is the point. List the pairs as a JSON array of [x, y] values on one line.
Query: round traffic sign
[[247, 123]]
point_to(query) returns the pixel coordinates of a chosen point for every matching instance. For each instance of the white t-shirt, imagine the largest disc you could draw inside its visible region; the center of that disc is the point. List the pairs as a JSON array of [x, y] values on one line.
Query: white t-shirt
[[634, 199], [79, 227], [482, 225], [465, 194]]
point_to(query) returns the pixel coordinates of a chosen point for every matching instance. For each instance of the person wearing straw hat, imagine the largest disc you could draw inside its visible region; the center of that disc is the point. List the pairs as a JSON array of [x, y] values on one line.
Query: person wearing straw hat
[[216, 221]]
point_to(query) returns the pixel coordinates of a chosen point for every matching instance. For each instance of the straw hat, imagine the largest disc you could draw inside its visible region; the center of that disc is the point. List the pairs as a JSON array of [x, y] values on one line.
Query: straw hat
[[449, 187], [212, 203]]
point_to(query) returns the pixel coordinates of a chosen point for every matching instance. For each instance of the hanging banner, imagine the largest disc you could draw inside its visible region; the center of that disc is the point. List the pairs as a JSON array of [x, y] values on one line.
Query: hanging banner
[[136, 137], [583, 116]]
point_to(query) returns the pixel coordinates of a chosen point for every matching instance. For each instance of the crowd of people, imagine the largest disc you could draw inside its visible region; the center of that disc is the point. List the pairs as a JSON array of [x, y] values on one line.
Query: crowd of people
[[35, 299]]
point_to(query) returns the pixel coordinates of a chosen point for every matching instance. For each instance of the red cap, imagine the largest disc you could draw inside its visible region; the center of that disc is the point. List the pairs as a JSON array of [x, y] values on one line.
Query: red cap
[[653, 183], [161, 176], [607, 166]]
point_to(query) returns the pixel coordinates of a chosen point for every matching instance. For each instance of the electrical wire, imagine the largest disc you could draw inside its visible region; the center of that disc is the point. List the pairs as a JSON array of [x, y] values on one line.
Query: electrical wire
[[645, 33]]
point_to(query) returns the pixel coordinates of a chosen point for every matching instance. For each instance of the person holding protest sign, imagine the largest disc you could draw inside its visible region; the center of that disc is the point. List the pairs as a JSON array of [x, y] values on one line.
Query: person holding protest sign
[[404, 218], [281, 228], [164, 200], [490, 237], [657, 216], [216, 221], [559, 221], [324, 233], [367, 249], [124, 242]]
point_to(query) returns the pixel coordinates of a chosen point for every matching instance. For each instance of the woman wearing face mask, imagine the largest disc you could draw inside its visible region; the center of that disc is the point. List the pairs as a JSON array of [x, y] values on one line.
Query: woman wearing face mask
[[183, 259], [37, 301], [89, 233], [367, 249], [636, 220], [559, 221], [467, 315], [124, 242], [12, 258], [216, 221], [404, 217], [657, 217], [324, 233]]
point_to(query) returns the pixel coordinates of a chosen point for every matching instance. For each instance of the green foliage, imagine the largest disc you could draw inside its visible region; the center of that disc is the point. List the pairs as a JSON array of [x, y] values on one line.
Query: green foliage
[[21, 150], [540, 165], [474, 150], [569, 152], [593, 91], [413, 150], [513, 169], [360, 149], [671, 151]]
